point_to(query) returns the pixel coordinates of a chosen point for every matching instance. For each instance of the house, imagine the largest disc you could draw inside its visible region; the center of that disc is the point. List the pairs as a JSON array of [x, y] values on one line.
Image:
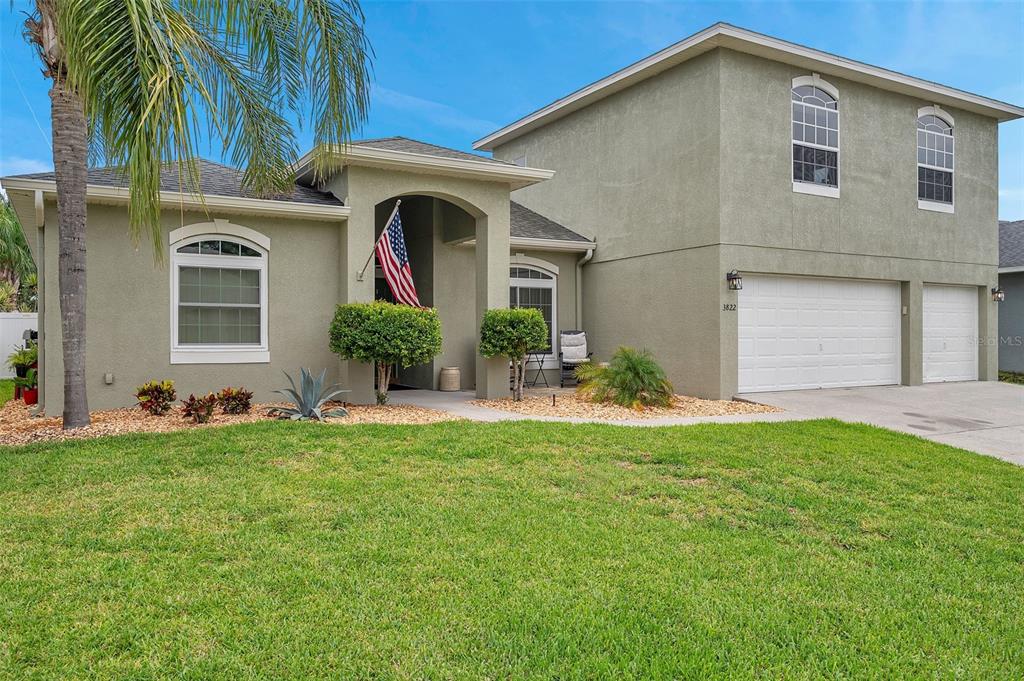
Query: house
[[1011, 310], [249, 285], [760, 215], [857, 206]]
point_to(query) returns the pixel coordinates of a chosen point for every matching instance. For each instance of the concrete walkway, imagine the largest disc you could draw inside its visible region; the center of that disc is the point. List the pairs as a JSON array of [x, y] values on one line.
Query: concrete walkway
[[984, 417]]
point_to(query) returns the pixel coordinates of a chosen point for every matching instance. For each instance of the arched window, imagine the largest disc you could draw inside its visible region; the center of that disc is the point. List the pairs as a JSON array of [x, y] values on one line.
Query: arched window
[[815, 136], [934, 157], [531, 286], [218, 300]]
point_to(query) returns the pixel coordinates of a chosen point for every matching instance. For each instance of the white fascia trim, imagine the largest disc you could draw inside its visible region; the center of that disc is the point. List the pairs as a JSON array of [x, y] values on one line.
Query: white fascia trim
[[104, 194], [1011, 270], [522, 259], [552, 244], [516, 176], [816, 189], [935, 206], [741, 40], [220, 356], [536, 244]]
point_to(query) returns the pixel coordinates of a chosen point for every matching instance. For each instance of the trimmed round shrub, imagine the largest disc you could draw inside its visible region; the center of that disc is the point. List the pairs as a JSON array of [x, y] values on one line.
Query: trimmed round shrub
[[512, 333], [385, 335]]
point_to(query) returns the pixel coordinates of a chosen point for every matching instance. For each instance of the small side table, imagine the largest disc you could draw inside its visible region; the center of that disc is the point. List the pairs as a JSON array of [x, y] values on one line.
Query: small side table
[[537, 358]]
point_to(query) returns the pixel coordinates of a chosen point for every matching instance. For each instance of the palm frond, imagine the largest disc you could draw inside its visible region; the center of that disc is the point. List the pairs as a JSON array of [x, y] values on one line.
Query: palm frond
[[153, 74]]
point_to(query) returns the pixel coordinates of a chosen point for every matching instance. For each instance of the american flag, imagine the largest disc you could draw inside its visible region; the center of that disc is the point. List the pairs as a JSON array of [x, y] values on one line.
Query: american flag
[[394, 260]]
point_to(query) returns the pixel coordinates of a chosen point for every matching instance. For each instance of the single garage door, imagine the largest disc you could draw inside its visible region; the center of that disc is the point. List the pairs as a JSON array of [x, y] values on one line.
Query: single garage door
[[801, 332], [950, 333]]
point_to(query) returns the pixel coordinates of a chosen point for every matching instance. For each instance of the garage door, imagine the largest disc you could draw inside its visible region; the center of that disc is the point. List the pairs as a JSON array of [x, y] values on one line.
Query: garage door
[[950, 333], [801, 332]]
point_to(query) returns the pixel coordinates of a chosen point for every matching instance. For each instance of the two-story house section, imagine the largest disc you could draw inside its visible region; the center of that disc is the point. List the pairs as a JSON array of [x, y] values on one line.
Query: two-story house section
[[772, 217]]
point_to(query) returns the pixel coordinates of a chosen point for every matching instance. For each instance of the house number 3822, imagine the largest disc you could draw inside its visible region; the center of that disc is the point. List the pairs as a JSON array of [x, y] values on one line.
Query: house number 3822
[[729, 307]]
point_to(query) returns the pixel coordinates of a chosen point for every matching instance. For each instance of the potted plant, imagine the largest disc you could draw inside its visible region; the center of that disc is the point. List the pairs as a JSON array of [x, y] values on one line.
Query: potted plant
[[29, 389], [21, 360]]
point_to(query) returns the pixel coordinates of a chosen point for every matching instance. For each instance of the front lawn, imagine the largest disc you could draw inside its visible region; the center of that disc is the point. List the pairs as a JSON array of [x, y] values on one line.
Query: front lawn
[[462, 550]]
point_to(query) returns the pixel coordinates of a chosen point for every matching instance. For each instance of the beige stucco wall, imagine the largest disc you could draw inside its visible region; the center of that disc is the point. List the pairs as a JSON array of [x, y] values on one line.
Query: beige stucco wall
[[639, 172], [484, 283], [128, 309], [687, 175], [875, 229]]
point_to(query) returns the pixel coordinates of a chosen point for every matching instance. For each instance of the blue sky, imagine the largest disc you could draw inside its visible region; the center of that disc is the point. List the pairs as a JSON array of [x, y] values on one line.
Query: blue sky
[[450, 72]]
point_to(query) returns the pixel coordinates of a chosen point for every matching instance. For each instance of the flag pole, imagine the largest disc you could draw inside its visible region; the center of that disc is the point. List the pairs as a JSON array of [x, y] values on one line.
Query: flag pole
[[359, 277]]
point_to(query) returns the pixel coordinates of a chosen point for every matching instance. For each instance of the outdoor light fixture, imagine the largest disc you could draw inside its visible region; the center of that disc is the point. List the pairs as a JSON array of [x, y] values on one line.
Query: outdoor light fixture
[[735, 280], [998, 294]]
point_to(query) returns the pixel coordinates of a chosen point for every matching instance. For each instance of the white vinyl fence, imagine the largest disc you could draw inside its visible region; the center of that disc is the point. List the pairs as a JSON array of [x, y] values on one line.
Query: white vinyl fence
[[12, 326]]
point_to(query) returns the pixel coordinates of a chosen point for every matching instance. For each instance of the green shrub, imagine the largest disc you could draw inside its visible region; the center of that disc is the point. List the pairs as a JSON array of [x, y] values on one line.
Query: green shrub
[[23, 356], [385, 334], [235, 400], [199, 409], [512, 333], [156, 397], [632, 379]]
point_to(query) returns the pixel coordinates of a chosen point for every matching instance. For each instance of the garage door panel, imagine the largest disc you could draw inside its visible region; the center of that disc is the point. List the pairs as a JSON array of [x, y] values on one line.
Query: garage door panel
[[803, 332], [950, 333]]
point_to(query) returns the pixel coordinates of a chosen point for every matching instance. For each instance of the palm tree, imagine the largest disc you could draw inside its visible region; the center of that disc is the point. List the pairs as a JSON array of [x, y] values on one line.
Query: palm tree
[[132, 80], [15, 257]]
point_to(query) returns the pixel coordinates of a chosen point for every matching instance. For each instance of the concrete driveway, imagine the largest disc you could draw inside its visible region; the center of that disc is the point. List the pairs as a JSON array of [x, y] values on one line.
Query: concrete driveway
[[986, 417]]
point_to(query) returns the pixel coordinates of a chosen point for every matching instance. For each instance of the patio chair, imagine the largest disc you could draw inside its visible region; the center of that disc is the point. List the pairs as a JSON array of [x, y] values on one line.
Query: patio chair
[[573, 352]]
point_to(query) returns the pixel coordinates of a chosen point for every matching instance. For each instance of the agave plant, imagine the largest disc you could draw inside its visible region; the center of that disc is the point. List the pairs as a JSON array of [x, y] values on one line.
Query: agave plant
[[309, 398]]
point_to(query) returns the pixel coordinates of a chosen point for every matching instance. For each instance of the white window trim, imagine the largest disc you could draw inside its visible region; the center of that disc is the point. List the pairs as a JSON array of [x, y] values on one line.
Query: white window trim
[[810, 187], [220, 354], [925, 204], [551, 361]]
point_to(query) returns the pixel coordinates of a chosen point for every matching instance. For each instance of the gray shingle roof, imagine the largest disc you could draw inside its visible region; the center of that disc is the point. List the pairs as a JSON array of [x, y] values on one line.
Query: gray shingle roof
[[416, 147], [528, 224], [1011, 244], [215, 179]]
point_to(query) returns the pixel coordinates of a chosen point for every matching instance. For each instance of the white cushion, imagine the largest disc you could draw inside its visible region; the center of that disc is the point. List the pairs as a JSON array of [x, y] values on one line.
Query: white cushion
[[574, 348]]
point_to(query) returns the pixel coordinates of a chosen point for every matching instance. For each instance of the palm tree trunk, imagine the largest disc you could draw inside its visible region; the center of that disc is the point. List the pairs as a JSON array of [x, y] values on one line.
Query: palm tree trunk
[[70, 160]]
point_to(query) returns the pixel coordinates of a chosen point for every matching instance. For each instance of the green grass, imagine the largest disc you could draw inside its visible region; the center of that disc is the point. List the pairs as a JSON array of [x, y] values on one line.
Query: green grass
[[291, 550], [1011, 377], [6, 390]]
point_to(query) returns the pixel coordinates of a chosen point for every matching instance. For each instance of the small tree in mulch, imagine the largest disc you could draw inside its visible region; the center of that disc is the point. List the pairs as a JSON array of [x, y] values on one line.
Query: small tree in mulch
[[385, 335], [512, 334]]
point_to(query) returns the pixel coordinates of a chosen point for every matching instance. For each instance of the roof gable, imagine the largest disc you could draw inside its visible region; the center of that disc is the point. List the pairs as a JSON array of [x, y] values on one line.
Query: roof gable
[[742, 40]]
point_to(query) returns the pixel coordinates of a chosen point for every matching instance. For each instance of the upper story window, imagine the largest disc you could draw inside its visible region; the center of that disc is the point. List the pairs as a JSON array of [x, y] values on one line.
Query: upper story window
[[815, 136], [219, 300], [934, 157]]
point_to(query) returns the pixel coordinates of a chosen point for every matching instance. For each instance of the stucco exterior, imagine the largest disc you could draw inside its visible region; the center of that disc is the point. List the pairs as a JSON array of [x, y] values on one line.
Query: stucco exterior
[[687, 175], [1011, 322], [128, 309]]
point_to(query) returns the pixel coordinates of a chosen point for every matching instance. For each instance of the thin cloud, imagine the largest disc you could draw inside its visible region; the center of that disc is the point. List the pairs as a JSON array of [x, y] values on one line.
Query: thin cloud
[[433, 112], [16, 165]]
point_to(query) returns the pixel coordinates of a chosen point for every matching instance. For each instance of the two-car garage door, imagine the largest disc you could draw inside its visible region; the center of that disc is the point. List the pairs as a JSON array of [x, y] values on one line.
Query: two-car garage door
[[805, 332]]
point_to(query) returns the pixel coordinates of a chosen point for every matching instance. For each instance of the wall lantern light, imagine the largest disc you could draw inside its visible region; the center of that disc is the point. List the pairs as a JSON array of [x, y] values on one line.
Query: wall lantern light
[[998, 294], [735, 280]]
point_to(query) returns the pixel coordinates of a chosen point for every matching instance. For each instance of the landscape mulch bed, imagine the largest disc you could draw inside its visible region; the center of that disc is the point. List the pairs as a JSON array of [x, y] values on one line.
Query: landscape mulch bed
[[18, 427], [569, 405]]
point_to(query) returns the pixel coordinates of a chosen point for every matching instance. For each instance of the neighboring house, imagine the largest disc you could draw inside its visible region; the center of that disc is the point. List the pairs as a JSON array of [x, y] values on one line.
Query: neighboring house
[[1011, 310], [857, 204]]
